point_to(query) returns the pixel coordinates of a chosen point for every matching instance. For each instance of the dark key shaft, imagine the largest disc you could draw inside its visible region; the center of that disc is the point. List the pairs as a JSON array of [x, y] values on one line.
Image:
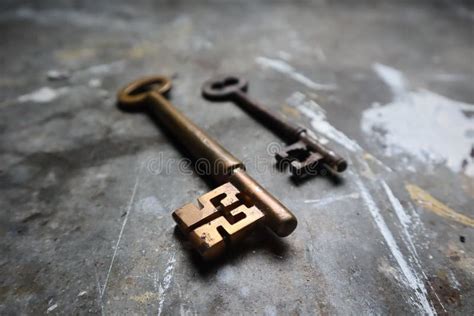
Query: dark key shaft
[[230, 88]]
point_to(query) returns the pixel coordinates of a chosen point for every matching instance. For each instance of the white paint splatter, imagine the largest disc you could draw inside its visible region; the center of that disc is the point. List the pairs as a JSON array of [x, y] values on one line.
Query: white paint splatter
[[406, 222], [200, 43], [320, 124], [320, 54], [453, 281], [270, 310], [99, 290], [129, 209], [101, 69], [393, 78], [42, 95], [448, 77], [332, 199], [165, 284], [287, 69], [51, 308], [226, 275], [319, 121], [403, 217], [95, 83], [244, 291], [413, 281], [428, 126], [284, 55], [151, 205], [82, 293]]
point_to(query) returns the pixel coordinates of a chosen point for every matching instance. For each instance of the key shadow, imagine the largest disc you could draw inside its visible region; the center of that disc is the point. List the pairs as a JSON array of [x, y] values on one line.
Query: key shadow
[[261, 239], [324, 172]]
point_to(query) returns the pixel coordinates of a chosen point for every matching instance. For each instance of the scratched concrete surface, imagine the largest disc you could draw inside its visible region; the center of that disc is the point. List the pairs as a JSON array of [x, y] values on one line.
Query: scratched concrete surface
[[86, 194]]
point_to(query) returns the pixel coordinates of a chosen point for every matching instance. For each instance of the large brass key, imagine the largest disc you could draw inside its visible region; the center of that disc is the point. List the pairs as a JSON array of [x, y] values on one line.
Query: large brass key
[[227, 213], [304, 154]]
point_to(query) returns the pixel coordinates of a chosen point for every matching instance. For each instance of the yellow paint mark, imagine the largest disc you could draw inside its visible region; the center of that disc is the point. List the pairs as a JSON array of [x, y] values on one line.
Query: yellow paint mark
[[290, 111], [367, 171], [145, 297], [10, 82], [369, 157], [428, 202], [142, 50], [75, 54]]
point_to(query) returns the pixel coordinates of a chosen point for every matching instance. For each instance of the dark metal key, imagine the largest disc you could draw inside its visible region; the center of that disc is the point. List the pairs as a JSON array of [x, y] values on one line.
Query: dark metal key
[[304, 154]]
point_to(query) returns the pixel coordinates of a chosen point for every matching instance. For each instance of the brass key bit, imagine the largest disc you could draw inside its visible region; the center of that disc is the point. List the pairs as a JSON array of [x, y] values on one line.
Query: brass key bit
[[227, 213], [305, 155], [221, 215]]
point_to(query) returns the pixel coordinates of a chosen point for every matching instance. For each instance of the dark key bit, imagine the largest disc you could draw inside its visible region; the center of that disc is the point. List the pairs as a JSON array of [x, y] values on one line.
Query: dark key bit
[[305, 155]]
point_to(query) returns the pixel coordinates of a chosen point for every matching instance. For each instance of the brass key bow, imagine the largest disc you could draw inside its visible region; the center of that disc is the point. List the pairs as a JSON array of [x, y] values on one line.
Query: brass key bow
[[227, 213], [304, 154]]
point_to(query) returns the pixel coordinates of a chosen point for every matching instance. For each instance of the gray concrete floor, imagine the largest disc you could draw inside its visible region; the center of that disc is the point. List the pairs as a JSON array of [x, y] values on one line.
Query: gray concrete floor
[[85, 219]]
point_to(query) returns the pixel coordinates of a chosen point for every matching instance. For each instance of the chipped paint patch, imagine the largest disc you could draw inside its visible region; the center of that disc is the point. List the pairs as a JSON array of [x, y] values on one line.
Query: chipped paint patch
[[428, 202], [285, 68], [428, 126], [42, 95]]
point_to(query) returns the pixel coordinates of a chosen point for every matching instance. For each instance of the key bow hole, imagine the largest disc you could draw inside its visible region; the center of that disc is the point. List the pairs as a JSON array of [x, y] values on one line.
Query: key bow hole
[[227, 82]]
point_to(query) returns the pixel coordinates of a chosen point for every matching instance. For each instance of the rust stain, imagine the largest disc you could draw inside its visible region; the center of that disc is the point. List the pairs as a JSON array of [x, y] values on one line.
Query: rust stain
[[440, 287], [428, 202], [463, 260]]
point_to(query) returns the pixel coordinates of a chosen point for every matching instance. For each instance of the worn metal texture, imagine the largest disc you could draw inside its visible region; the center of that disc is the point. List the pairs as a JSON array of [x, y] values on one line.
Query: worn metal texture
[[87, 190]]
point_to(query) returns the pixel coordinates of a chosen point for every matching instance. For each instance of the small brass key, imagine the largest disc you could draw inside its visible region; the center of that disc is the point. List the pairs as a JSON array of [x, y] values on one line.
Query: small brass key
[[227, 213], [304, 154]]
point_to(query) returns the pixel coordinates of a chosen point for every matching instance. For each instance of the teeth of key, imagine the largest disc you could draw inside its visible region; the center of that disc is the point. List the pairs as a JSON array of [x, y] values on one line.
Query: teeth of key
[[222, 218], [301, 159], [227, 213]]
